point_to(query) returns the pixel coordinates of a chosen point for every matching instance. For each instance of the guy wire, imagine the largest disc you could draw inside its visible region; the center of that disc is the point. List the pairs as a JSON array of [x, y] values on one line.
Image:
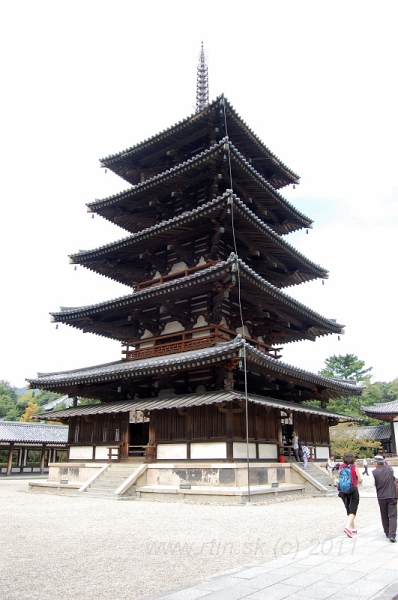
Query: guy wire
[[240, 311]]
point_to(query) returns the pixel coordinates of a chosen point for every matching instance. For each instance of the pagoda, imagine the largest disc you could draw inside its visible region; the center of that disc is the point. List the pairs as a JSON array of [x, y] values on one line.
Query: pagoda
[[203, 325]]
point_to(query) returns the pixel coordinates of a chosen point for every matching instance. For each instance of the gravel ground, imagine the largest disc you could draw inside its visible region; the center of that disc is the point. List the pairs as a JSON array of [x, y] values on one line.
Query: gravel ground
[[55, 546]]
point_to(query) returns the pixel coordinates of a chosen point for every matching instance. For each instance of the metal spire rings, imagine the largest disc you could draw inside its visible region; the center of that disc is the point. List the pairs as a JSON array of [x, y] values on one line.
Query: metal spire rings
[[202, 83]]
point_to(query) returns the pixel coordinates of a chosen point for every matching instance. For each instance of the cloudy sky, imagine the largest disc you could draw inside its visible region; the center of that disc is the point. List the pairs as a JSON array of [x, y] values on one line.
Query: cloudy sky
[[81, 80]]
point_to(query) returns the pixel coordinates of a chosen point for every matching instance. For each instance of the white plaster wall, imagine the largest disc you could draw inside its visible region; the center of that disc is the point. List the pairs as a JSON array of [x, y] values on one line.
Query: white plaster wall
[[208, 450], [79, 452], [173, 327], [171, 451], [321, 452], [201, 322], [268, 451], [240, 450], [146, 334], [102, 453], [180, 266]]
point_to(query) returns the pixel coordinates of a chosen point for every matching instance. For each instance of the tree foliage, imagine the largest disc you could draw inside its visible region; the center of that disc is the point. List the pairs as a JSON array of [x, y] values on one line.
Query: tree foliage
[[30, 410], [346, 438], [351, 368], [346, 367], [8, 402]]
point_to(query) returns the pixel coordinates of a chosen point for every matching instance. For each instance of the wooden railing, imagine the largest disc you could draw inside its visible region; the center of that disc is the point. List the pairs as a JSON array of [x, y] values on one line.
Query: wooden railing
[[114, 452], [194, 339], [138, 450]]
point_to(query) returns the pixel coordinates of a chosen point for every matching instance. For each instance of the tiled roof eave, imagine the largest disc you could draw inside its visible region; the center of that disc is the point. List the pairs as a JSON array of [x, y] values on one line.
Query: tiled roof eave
[[111, 159], [190, 216], [182, 361], [196, 160], [185, 401], [385, 408], [32, 433], [212, 272]]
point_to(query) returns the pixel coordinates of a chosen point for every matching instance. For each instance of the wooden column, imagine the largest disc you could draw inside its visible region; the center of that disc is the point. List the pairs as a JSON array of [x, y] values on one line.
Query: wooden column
[[125, 434], [42, 458], [151, 450], [9, 461], [393, 438]]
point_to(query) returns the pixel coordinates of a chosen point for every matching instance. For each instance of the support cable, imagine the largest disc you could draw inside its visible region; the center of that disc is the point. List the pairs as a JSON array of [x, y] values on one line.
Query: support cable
[[240, 309]]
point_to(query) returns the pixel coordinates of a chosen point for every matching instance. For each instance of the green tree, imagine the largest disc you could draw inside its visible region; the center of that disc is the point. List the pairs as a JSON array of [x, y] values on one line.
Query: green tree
[[347, 438], [391, 391], [8, 402], [346, 367]]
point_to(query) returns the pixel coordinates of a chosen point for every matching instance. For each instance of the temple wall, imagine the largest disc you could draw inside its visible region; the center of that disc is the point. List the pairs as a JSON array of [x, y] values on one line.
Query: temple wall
[[210, 432], [76, 473], [217, 474]]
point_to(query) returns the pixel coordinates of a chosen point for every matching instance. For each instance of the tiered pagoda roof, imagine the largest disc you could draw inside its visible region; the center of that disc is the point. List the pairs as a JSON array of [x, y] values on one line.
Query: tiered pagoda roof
[[206, 259], [126, 260], [152, 201], [278, 317], [278, 380], [194, 134]]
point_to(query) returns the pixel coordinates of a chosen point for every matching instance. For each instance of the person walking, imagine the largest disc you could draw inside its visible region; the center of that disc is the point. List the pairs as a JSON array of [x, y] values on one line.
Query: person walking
[[306, 455], [330, 468], [295, 444], [348, 491], [386, 496], [365, 466]]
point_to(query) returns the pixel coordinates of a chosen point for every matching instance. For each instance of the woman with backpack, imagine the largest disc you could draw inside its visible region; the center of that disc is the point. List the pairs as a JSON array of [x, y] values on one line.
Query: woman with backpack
[[348, 490]]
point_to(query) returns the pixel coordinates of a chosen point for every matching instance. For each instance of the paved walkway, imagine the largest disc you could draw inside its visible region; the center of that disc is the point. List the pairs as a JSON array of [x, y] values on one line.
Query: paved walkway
[[364, 567]]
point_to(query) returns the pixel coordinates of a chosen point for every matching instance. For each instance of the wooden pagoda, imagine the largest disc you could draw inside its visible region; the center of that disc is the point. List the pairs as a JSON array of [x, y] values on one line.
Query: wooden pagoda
[[203, 326]]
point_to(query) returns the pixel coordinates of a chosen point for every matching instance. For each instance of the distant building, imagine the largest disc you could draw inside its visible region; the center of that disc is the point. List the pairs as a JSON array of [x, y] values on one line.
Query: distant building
[[387, 411], [21, 438], [63, 400]]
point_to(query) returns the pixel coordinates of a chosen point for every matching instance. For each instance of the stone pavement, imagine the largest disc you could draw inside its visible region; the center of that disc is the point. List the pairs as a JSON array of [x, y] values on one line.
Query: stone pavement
[[364, 567]]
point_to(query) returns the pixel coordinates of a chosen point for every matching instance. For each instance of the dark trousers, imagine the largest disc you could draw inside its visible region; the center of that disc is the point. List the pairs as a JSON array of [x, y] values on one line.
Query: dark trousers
[[351, 501], [296, 454], [388, 513]]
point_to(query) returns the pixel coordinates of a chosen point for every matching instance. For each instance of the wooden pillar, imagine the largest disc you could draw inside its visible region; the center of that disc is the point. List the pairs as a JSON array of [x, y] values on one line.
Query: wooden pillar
[[9, 460], [125, 433], [229, 430], [151, 450], [42, 458], [393, 439], [24, 457]]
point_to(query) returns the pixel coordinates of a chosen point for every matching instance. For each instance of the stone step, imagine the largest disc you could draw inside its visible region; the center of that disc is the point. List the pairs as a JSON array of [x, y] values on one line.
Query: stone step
[[105, 485]]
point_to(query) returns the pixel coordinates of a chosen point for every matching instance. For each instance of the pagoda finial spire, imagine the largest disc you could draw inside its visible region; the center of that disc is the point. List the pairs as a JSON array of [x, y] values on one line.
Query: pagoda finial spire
[[202, 82]]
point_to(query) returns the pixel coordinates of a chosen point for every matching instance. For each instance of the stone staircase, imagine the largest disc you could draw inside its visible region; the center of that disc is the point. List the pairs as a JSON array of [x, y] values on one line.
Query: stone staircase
[[110, 480], [318, 477]]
